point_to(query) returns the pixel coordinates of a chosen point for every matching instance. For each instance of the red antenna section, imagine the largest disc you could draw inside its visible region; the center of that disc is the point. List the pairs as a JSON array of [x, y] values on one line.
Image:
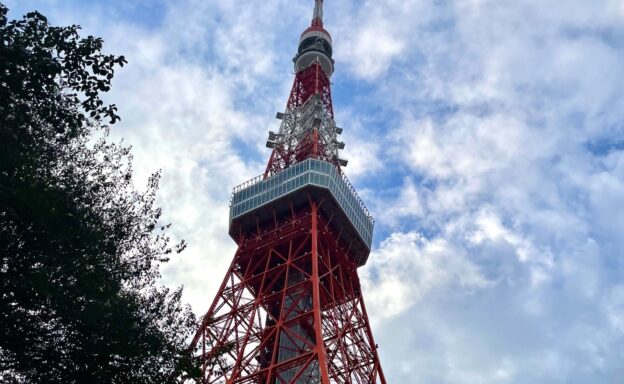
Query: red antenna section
[[290, 308], [308, 129]]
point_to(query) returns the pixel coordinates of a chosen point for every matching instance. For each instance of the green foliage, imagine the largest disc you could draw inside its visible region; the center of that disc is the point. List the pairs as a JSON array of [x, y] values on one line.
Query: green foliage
[[79, 246]]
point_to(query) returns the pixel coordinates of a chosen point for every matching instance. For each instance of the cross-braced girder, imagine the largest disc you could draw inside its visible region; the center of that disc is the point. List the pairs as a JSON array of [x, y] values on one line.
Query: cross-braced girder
[[290, 310], [308, 129]]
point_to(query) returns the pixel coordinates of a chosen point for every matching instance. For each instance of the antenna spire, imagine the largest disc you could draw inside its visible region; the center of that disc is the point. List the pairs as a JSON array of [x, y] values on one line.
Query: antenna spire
[[317, 17]]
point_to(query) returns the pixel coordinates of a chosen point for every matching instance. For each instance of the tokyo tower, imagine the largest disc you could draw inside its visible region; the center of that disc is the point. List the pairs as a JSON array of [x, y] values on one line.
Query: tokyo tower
[[290, 308]]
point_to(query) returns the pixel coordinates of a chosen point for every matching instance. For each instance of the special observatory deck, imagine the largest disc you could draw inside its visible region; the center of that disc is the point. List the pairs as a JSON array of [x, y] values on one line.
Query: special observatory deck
[[318, 177]]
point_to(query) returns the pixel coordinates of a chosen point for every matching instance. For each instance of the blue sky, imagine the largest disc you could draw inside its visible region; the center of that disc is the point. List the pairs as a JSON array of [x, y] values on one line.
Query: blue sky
[[487, 138]]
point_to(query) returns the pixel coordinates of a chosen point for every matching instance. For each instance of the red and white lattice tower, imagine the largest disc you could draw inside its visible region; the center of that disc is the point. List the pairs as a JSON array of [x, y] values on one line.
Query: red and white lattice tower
[[290, 308]]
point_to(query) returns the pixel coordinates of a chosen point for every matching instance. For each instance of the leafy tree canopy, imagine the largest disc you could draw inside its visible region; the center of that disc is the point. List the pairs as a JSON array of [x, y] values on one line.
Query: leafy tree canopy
[[80, 247]]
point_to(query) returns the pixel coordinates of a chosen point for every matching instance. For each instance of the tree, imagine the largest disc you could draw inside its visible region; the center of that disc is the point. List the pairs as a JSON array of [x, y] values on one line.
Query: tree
[[80, 247]]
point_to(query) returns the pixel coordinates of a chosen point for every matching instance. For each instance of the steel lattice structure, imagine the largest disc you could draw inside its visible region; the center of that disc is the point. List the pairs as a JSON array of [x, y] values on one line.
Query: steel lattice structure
[[290, 308]]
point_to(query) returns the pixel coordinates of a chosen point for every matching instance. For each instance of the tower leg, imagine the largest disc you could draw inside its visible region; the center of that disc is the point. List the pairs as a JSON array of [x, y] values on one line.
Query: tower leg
[[320, 347], [289, 310]]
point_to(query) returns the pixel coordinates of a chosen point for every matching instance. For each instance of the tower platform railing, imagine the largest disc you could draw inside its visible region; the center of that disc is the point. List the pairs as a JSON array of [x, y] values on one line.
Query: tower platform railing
[[260, 191]]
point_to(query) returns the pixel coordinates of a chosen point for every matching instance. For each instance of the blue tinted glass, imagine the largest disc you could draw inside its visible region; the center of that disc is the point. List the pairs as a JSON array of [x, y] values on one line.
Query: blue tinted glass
[[308, 172]]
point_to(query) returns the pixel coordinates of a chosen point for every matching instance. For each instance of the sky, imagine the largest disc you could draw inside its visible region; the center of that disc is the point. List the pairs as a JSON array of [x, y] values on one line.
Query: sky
[[486, 137]]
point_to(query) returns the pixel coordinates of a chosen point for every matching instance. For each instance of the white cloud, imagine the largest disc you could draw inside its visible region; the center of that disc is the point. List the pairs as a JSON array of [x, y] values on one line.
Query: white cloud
[[407, 206], [374, 35], [496, 125], [615, 308], [489, 138], [408, 267]]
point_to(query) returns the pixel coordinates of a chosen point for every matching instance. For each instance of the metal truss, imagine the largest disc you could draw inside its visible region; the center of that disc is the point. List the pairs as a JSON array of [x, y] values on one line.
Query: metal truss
[[308, 128], [290, 309]]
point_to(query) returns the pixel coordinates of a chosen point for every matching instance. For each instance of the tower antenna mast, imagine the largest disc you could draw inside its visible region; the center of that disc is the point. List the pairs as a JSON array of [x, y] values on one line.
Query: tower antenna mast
[[317, 16]]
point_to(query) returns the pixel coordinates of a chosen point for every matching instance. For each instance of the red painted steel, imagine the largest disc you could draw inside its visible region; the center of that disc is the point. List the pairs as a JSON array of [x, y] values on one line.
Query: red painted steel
[[290, 309], [308, 82]]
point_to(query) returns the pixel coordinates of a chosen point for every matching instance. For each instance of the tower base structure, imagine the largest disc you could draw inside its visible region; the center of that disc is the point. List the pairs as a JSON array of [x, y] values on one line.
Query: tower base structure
[[290, 308]]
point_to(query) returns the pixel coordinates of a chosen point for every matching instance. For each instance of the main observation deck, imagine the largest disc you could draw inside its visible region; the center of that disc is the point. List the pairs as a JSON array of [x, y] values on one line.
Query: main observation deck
[[260, 198]]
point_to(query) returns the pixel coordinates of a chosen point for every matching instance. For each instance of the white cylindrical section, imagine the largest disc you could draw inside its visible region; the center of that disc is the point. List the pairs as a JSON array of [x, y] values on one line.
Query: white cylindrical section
[[318, 10], [307, 58]]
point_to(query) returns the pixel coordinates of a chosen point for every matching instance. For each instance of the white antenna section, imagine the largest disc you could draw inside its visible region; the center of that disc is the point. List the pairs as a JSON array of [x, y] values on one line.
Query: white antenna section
[[318, 11]]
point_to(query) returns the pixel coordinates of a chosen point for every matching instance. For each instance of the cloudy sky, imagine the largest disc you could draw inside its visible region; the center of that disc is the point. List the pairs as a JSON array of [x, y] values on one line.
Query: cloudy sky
[[486, 136]]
